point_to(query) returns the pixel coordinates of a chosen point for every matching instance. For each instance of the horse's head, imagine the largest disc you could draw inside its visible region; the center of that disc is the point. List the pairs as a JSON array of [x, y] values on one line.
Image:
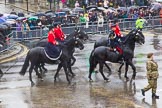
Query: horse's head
[[139, 37], [136, 36], [81, 34], [78, 43]]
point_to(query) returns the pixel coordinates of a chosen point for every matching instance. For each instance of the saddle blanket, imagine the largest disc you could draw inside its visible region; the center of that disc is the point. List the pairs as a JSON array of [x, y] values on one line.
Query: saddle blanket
[[52, 52]]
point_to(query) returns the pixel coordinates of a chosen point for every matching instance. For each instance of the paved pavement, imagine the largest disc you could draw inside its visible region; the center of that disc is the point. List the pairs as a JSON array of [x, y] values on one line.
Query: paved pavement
[[23, 6]]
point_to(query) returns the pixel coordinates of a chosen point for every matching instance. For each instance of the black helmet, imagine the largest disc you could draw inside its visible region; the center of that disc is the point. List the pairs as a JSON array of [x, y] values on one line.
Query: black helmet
[[116, 20], [55, 25]]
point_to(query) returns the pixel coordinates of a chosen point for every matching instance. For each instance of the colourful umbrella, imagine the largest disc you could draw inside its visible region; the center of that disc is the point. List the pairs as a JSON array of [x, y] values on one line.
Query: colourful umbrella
[[33, 18]]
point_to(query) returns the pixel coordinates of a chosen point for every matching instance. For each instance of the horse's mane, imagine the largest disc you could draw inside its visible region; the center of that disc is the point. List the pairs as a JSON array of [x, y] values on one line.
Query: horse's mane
[[128, 35]]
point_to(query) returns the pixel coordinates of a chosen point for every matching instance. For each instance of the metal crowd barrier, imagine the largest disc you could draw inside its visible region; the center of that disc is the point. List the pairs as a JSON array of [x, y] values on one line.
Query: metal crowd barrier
[[92, 28]]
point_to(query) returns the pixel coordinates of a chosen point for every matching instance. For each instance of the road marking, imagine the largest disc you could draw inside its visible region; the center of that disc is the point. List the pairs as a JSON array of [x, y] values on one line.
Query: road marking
[[25, 50]]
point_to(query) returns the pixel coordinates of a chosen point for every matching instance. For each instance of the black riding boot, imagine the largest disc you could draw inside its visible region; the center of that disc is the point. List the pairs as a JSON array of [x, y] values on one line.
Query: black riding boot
[[155, 96]]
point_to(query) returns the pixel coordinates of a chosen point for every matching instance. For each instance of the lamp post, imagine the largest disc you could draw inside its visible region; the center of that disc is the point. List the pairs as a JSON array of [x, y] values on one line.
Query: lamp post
[[5, 2], [54, 5], [27, 5]]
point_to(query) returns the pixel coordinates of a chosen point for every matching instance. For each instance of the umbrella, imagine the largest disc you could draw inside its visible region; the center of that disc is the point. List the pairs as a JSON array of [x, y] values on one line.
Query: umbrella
[[20, 14], [78, 9], [50, 14], [91, 6], [39, 14], [65, 10], [12, 16], [155, 6], [109, 10], [122, 8], [92, 9], [33, 18], [2, 20], [21, 18], [101, 8], [49, 11], [10, 21]]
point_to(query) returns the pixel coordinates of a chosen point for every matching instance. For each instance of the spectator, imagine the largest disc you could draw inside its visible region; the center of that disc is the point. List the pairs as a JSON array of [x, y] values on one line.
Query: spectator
[[77, 4], [82, 19], [100, 21], [25, 29], [100, 3], [87, 20], [13, 12], [19, 28], [106, 3]]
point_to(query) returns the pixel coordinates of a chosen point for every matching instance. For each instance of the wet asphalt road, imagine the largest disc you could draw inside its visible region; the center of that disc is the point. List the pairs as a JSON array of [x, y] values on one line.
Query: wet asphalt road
[[16, 92]]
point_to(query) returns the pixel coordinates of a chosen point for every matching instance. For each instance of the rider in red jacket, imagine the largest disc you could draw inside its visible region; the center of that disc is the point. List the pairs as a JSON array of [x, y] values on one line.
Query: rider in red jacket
[[52, 37], [115, 41], [118, 36], [58, 32]]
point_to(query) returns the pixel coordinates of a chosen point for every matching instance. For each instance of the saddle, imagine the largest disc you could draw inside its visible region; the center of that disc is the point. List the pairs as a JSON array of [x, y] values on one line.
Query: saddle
[[52, 53]]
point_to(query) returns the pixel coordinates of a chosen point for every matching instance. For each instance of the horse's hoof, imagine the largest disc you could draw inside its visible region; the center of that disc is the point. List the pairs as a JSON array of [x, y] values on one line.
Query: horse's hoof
[[90, 80], [133, 77], [127, 79], [107, 80], [109, 74], [45, 71], [32, 84]]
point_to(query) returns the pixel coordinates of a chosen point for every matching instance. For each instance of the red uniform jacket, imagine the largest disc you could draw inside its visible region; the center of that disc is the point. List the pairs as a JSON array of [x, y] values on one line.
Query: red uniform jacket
[[117, 31], [59, 34], [51, 37]]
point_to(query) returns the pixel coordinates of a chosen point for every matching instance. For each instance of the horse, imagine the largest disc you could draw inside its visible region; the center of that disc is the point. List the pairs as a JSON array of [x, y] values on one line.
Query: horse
[[5, 29], [102, 53], [104, 41], [77, 32], [37, 55]]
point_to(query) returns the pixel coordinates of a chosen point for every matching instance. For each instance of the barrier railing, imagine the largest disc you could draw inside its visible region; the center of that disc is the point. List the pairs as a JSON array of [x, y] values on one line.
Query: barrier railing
[[92, 27]]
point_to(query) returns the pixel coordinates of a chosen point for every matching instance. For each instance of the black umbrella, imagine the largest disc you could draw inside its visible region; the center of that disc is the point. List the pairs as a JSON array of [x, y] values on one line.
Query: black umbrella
[[78, 9], [91, 6], [65, 10], [39, 14], [20, 14], [101, 8], [49, 11], [122, 8], [49, 14]]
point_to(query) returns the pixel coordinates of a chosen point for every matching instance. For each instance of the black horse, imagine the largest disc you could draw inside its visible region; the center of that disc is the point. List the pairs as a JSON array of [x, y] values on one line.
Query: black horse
[[104, 41], [2, 40], [103, 53], [77, 33], [5, 29], [37, 55]]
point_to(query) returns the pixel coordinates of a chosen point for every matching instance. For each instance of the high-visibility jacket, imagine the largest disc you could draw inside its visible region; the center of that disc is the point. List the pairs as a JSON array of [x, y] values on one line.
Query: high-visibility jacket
[[140, 23]]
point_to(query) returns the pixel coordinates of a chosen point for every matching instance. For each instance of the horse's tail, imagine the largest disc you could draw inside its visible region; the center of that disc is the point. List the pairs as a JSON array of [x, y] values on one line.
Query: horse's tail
[[92, 62], [25, 65]]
